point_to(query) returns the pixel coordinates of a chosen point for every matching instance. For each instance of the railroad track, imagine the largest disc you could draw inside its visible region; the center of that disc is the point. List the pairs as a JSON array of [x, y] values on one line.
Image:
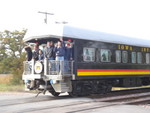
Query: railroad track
[[79, 104], [136, 96], [91, 104]]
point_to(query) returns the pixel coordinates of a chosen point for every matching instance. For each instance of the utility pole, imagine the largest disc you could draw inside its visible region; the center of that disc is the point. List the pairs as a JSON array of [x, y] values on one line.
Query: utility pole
[[46, 13]]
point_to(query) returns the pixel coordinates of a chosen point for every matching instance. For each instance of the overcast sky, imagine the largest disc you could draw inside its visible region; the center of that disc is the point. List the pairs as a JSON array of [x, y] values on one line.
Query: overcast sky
[[123, 17]]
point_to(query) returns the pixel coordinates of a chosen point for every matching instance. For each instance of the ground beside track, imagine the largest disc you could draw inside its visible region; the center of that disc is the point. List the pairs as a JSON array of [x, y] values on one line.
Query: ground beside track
[[27, 103]]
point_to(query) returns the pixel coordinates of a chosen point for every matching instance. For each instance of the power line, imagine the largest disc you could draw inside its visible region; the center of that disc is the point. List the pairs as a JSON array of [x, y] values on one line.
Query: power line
[[63, 22]]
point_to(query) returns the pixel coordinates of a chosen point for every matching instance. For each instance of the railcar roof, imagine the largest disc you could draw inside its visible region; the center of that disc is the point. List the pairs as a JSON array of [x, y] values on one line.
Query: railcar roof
[[85, 34]]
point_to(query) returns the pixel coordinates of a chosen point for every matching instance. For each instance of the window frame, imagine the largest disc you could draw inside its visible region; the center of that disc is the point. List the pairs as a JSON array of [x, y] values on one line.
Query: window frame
[[109, 57], [93, 55], [120, 55], [139, 53], [147, 59], [126, 57], [135, 57]]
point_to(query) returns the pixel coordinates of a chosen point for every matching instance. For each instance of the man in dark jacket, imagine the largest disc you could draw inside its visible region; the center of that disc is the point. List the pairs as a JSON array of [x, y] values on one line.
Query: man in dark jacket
[[49, 51], [29, 53], [68, 57], [60, 54], [60, 50], [36, 53], [68, 52]]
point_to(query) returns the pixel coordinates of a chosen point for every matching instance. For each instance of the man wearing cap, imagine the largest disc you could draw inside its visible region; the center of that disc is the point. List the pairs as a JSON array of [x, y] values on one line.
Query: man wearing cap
[[68, 51]]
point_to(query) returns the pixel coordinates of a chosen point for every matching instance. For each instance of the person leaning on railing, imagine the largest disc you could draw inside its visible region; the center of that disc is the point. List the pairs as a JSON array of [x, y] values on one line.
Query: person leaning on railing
[[49, 55], [68, 57], [59, 50], [29, 68], [29, 53]]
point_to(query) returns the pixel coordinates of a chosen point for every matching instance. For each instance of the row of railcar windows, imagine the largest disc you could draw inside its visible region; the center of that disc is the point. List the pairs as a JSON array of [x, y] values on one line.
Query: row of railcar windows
[[120, 56]]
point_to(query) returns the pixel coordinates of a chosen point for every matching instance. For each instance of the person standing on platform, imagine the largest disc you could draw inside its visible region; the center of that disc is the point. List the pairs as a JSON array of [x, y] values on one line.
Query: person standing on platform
[[41, 55], [29, 53], [35, 54], [49, 55], [49, 51], [60, 54], [60, 50], [68, 51], [68, 57]]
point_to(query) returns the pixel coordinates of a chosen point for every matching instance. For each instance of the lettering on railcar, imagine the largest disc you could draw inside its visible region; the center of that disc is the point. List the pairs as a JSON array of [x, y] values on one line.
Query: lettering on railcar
[[130, 48], [125, 47], [145, 49]]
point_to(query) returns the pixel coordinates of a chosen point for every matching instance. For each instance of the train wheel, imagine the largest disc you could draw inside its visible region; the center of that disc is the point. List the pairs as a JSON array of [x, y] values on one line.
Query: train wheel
[[72, 94], [55, 93], [79, 92]]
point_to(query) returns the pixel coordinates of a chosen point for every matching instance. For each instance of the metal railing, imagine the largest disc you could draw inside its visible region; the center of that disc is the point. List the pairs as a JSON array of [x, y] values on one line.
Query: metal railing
[[28, 67], [59, 67], [51, 67]]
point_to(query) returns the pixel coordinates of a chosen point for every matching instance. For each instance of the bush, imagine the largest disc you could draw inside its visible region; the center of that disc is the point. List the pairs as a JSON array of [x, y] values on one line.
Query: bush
[[11, 55]]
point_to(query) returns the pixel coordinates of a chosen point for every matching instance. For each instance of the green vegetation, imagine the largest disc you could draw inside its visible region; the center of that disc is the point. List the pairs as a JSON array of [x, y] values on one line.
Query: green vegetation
[[10, 87], [11, 55]]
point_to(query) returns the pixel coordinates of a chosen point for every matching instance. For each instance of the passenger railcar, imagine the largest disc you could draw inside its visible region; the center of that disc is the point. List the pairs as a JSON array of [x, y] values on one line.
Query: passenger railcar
[[100, 62]]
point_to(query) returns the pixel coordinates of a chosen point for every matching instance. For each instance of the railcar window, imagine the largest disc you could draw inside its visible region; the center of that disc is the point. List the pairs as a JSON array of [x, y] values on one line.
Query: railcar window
[[105, 55], [118, 56], [139, 57], [124, 56], [89, 54], [133, 57], [147, 58]]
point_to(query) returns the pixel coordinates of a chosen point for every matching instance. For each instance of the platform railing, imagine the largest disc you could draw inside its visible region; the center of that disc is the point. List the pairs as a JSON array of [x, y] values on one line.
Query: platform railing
[[59, 67], [28, 67], [51, 67]]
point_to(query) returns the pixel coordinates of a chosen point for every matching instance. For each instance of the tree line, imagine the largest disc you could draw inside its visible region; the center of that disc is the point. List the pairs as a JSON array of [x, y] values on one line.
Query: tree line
[[11, 54]]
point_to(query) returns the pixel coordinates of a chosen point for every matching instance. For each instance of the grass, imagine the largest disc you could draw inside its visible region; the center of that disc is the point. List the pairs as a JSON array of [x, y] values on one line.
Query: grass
[[5, 78], [6, 84], [11, 88]]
